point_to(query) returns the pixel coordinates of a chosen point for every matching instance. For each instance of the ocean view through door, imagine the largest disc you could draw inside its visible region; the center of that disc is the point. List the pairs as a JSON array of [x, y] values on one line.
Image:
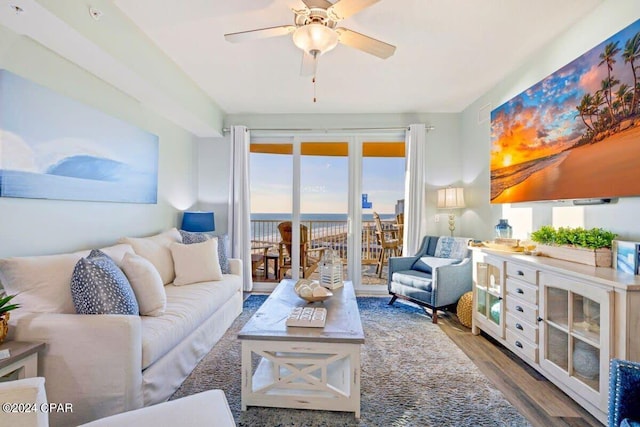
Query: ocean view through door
[[316, 187]]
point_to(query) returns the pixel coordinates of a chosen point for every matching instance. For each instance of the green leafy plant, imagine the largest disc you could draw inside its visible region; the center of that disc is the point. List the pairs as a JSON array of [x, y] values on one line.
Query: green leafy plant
[[594, 238], [5, 306]]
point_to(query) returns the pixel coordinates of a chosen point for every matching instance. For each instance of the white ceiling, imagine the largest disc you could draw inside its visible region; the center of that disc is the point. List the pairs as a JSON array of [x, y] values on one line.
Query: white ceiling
[[449, 52]]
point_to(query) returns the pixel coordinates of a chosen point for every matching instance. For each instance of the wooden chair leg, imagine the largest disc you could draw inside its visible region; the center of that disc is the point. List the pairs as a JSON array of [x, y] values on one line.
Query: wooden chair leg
[[382, 256], [434, 316]]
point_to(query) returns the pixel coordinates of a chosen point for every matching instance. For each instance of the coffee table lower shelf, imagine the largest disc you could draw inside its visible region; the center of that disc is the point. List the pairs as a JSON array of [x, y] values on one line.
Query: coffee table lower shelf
[[301, 375]]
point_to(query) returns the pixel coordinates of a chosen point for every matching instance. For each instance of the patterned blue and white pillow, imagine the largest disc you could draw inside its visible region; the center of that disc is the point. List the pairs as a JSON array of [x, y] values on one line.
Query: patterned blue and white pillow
[[452, 247], [98, 286], [190, 237]]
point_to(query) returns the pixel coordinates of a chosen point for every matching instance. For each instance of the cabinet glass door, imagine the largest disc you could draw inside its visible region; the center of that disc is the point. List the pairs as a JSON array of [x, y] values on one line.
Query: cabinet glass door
[[575, 344], [489, 302]]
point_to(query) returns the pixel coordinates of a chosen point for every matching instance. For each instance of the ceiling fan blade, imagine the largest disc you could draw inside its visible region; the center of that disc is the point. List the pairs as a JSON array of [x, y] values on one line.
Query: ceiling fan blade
[[309, 64], [365, 43], [321, 4], [261, 33], [345, 8]]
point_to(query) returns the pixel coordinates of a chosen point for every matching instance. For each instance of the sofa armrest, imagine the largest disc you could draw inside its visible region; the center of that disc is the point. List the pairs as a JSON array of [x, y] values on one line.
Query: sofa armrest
[[450, 282], [235, 265], [91, 361], [399, 264]]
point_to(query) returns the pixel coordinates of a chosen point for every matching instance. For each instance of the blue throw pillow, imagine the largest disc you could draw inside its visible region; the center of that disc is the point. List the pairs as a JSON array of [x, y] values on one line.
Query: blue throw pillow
[[190, 237], [98, 286]]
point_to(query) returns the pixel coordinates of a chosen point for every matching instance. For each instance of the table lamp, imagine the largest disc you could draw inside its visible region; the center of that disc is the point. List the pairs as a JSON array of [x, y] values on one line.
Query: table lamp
[[451, 198], [198, 221]]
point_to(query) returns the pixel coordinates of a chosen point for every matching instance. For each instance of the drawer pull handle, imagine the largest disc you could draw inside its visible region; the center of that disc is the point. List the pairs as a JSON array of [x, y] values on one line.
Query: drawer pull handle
[[520, 273], [519, 326], [519, 291], [520, 309], [539, 319], [518, 344]]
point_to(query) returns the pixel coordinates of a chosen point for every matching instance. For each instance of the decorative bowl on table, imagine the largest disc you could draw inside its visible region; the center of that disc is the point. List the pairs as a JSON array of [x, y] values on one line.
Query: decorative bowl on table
[[311, 291]]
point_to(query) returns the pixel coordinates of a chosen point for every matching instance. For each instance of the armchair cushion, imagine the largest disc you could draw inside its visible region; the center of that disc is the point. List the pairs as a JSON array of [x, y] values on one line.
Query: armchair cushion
[[414, 278], [452, 247], [426, 264]]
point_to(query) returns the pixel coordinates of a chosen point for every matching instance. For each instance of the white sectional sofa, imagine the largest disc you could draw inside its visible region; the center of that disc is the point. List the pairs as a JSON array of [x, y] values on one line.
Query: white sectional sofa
[[108, 364]]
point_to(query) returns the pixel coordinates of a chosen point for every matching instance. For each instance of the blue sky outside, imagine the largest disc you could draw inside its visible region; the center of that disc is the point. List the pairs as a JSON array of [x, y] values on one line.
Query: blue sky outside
[[324, 183]]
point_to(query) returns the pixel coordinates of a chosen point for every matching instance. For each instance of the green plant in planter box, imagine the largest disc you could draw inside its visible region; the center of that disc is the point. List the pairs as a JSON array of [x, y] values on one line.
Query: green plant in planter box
[[5, 307], [594, 238]]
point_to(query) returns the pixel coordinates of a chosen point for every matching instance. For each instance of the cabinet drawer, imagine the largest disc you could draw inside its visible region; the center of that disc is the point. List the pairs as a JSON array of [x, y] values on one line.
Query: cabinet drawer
[[522, 310], [521, 346], [522, 273], [521, 328], [523, 290]]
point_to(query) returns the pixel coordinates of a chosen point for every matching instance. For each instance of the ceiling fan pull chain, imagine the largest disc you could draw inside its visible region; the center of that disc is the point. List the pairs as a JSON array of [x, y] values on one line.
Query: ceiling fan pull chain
[[314, 88]]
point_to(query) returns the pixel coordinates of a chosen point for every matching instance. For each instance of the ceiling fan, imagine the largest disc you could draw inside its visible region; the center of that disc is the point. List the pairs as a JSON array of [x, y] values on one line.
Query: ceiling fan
[[316, 31]]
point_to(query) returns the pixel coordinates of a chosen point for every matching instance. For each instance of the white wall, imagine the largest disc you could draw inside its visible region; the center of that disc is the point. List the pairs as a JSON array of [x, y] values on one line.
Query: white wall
[[443, 164], [604, 21], [33, 227]]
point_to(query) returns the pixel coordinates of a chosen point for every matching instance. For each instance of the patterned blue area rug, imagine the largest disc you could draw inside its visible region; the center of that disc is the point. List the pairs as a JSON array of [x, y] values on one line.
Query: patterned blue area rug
[[412, 375]]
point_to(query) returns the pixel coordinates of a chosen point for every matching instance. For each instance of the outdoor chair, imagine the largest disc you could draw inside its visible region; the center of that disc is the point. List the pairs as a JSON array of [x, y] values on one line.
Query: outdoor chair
[[309, 257], [436, 277], [389, 243]]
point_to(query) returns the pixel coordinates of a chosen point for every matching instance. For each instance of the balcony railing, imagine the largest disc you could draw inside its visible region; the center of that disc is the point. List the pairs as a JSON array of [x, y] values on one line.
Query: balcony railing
[[329, 234]]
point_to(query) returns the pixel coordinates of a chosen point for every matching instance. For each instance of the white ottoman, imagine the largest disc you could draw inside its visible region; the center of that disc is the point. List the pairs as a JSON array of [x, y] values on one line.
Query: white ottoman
[[209, 408]]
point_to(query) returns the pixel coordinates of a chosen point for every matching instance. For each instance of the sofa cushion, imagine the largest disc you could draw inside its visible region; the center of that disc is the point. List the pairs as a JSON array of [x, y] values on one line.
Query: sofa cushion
[[187, 308], [156, 250], [146, 284], [195, 263], [190, 237], [98, 286], [426, 264], [415, 279], [41, 283]]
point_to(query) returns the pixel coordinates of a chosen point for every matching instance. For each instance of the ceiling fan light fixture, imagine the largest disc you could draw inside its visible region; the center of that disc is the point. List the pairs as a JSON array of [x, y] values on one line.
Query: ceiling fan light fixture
[[315, 37]]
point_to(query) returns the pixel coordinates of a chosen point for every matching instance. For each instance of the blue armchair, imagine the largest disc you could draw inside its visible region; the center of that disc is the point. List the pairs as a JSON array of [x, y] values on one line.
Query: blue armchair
[[624, 393], [436, 277]]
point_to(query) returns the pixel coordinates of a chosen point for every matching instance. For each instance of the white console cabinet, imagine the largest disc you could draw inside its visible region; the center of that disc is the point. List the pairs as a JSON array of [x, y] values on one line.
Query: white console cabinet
[[566, 320]]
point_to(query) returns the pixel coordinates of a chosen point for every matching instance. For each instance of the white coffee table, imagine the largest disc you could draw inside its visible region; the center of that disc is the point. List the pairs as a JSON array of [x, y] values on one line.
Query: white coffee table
[[303, 368]]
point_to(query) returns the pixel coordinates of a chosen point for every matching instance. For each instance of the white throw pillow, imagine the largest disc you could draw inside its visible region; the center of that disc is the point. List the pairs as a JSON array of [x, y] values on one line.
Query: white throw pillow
[[195, 263], [115, 252], [146, 283], [156, 250], [41, 283]]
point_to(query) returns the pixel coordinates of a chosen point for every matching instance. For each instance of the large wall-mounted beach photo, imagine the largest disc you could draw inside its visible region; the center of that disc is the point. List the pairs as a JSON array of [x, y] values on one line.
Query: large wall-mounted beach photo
[[53, 147], [576, 133]]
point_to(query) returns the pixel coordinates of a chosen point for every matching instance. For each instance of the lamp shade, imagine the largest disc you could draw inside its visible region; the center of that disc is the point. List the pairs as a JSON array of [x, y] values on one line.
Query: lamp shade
[[198, 221], [315, 37], [451, 198]]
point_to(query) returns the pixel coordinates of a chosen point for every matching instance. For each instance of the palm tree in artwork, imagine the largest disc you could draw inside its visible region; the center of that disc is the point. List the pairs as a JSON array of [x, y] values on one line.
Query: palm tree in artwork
[[584, 109], [596, 102], [623, 99], [607, 86], [631, 54], [609, 57]]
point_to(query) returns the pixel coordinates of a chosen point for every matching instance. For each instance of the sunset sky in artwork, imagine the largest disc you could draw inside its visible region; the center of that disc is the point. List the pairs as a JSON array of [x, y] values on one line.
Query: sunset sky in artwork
[[543, 120]]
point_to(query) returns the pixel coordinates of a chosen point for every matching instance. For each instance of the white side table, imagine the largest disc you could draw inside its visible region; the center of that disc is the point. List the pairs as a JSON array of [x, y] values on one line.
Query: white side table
[[23, 358]]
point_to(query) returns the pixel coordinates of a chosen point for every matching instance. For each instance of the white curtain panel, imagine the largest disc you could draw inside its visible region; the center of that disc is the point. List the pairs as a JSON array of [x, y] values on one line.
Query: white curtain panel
[[239, 202], [414, 189]]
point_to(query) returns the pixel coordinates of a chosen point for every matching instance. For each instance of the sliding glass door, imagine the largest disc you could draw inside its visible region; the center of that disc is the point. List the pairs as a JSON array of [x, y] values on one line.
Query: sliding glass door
[[328, 188]]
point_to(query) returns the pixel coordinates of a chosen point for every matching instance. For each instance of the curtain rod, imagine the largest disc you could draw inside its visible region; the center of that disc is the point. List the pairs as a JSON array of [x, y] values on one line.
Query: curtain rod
[[428, 128]]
